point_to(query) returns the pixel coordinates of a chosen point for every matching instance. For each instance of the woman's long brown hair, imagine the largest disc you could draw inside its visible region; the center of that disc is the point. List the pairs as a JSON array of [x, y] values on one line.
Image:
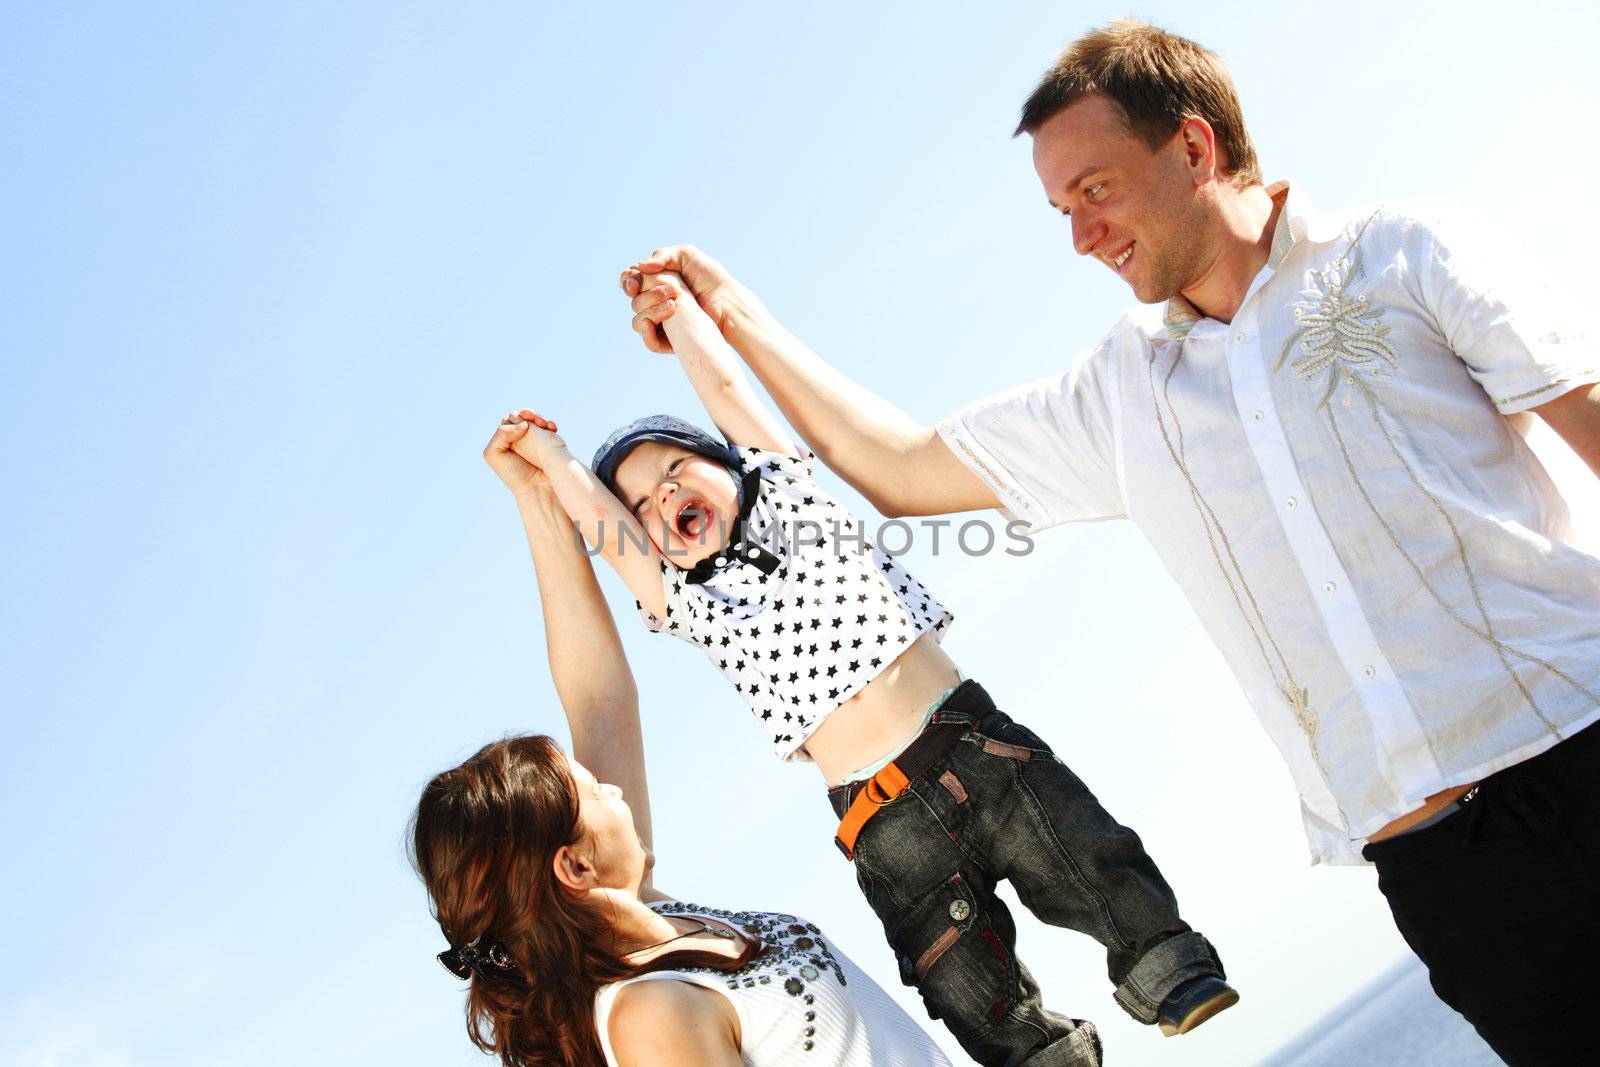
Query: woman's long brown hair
[[482, 839]]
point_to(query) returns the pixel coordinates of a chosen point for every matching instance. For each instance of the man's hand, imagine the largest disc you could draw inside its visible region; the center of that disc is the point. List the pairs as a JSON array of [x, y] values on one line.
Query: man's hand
[[512, 464], [709, 282]]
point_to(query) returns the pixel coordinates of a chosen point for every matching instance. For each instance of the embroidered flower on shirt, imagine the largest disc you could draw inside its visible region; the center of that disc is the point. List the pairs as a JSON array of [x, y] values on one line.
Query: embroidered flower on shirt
[[1339, 334]]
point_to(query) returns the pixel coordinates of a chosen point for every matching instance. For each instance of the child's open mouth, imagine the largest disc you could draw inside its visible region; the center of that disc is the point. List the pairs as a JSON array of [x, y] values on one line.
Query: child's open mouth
[[693, 520]]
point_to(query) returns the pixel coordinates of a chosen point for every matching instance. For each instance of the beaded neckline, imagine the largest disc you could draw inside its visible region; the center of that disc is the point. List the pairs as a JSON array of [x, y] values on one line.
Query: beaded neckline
[[795, 955]]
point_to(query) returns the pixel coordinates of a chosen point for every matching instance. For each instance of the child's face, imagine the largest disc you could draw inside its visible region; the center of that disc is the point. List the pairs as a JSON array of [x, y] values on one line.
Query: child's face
[[686, 502]]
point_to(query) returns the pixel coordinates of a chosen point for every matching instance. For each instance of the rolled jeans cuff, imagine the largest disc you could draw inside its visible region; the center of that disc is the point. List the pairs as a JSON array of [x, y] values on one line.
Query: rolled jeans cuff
[[1163, 969]]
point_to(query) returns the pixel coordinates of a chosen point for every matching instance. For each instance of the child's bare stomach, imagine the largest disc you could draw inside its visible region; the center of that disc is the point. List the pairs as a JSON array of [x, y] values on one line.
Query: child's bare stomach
[[885, 713]]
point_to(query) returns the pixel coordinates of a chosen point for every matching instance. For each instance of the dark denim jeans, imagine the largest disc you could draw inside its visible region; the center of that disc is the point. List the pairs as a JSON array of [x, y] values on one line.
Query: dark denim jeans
[[1001, 806], [1502, 902]]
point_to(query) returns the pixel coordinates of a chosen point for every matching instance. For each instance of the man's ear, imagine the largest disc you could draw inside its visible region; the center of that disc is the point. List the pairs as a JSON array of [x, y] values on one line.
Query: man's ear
[[572, 870], [1199, 148]]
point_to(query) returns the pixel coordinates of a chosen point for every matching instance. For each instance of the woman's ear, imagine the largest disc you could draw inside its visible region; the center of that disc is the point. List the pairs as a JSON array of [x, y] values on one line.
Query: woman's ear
[[572, 870]]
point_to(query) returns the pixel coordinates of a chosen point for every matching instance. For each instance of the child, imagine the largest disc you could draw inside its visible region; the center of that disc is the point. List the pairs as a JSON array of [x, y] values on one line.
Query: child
[[835, 646]]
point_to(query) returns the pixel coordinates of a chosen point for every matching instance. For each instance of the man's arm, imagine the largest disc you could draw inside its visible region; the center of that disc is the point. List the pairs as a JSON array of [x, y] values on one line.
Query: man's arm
[[1575, 415], [899, 465]]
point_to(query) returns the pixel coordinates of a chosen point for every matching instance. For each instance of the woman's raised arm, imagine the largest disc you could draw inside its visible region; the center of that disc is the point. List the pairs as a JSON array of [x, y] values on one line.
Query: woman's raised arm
[[591, 673]]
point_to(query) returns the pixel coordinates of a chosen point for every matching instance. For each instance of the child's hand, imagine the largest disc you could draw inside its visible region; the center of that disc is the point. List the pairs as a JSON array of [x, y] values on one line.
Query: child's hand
[[519, 474], [660, 297]]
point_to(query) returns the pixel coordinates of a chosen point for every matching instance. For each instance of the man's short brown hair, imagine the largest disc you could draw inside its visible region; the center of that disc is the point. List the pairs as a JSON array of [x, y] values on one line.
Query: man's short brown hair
[[1157, 80]]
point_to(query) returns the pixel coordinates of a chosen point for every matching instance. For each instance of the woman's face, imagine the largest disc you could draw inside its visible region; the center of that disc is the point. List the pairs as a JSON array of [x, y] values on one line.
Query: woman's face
[[608, 840]]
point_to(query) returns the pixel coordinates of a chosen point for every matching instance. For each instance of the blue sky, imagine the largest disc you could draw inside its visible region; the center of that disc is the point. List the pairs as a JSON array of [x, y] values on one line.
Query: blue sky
[[270, 275]]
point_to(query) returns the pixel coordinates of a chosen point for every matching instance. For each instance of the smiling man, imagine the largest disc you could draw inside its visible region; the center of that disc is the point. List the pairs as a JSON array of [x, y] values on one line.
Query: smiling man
[[1312, 426]]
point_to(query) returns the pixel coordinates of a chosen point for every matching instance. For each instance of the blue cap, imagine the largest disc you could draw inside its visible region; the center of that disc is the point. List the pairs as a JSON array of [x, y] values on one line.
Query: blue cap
[[666, 429]]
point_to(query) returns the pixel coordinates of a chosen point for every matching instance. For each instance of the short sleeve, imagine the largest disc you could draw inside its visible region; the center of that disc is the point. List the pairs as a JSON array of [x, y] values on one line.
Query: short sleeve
[[1497, 310], [674, 593], [1048, 449], [651, 621], [775, 465]]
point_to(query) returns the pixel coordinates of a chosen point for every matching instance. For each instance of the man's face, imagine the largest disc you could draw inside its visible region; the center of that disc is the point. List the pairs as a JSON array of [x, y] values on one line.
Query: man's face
[[1134, 210]]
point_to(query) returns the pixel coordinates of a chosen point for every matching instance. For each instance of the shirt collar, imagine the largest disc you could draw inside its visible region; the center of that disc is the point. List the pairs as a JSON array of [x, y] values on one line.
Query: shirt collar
[[1298, 221], [738, 549]]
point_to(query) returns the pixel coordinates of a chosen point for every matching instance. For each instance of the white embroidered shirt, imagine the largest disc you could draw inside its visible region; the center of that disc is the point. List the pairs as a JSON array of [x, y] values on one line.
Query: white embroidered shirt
[[1333, 480], [800, 611]]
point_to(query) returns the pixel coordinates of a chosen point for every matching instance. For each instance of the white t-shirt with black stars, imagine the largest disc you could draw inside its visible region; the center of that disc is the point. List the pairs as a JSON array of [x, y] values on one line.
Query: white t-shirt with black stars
[[799, 610]]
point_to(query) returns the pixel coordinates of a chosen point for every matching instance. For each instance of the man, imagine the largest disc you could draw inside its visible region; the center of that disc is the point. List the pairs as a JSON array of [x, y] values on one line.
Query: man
[[1313, 432]]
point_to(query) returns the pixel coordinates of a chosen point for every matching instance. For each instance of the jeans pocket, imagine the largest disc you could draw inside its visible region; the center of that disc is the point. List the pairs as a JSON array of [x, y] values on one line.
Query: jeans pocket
[[947, 947], [1009, 735]]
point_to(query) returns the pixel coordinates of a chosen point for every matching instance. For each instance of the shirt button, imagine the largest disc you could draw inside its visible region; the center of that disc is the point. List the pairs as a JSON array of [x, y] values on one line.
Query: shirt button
[[1257, 416], [1238, 338], [754, 552], [1291, 503], [1370, 671], [960, 909], [1329, 588]]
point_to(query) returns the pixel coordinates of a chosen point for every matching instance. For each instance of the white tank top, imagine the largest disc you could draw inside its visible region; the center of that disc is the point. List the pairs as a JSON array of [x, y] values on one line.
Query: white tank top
[[801, 1002]]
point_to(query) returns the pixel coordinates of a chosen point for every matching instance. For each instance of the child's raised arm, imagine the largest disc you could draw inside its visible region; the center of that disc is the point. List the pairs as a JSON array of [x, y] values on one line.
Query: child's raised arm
[[602, 519], [715, 372]]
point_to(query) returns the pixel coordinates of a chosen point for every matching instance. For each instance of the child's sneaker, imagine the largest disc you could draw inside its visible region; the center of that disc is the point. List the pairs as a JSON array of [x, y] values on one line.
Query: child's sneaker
[[1193, 1002]]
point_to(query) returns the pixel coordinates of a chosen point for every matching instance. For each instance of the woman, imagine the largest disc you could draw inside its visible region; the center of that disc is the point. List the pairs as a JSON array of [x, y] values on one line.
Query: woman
[[539, 874]]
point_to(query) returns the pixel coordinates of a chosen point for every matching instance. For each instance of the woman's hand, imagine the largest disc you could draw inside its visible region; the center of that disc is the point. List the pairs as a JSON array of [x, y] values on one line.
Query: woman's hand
[[520, 476]]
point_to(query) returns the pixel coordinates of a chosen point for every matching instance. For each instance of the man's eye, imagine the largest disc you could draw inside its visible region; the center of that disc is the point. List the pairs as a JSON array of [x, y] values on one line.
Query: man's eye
[[1096, 191]]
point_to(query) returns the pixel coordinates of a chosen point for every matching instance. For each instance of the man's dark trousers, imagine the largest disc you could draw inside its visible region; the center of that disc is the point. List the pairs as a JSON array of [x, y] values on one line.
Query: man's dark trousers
[[1501, 900]]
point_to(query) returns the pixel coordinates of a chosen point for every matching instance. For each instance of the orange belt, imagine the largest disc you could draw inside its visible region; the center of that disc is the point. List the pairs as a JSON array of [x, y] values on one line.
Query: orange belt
[[879, 790]]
